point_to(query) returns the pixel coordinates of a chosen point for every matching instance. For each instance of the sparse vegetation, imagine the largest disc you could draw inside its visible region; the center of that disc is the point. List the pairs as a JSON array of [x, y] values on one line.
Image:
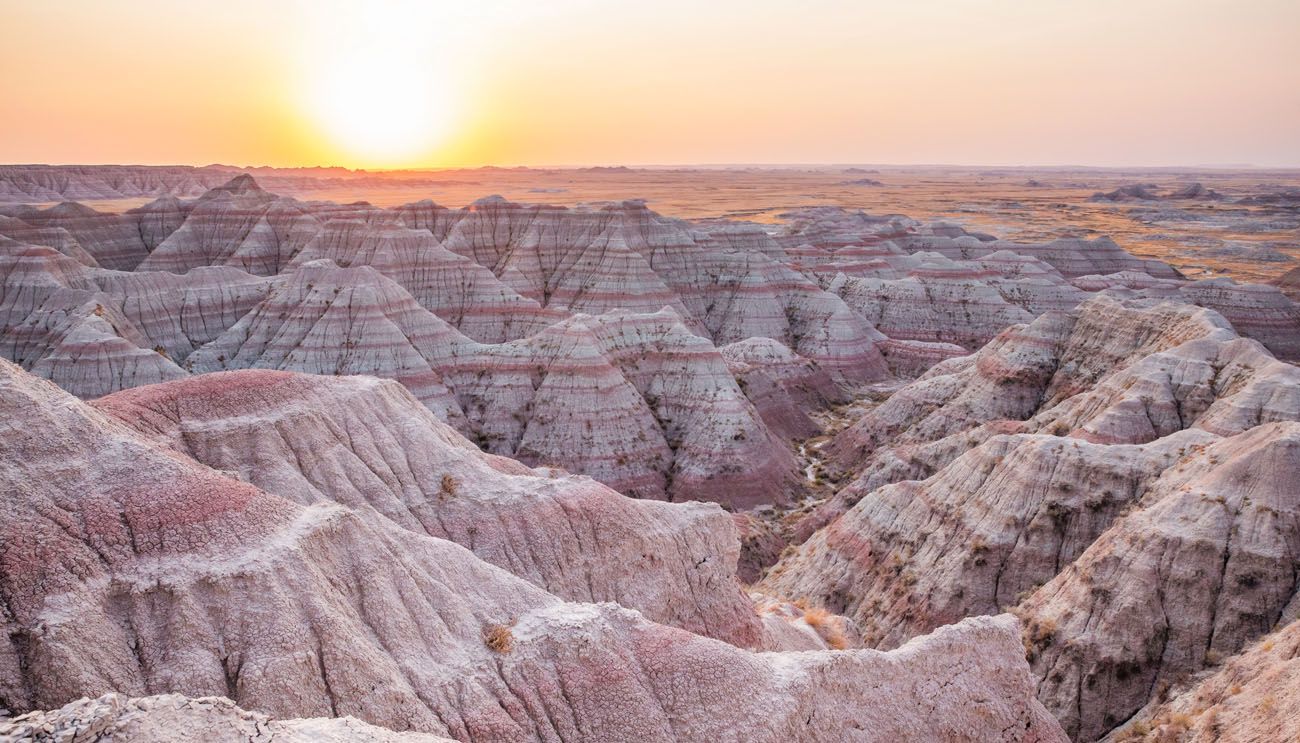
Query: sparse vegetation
[[449, 486], [828, 626], [1038, 635], [499, 638]]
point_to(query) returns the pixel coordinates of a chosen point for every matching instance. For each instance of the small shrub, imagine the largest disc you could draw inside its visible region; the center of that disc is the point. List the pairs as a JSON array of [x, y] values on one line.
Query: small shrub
[[834, 637], [1180, 721], [1038, 635], [828, 627], [449, 485], [499, 638], [815, 616]]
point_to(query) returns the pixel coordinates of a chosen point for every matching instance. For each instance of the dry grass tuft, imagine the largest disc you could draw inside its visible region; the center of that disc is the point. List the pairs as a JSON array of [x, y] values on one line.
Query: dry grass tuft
[[827, 626], [1038, 635], [499, 638], [449, 485], [1180, 721], [816, 617]]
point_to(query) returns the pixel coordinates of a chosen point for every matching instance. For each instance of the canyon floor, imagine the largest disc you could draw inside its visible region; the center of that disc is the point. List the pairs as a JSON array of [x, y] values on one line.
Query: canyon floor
[[860, 453]]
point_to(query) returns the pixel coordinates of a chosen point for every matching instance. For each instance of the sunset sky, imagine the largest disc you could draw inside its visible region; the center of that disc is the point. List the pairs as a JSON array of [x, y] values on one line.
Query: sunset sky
[[520, 82]]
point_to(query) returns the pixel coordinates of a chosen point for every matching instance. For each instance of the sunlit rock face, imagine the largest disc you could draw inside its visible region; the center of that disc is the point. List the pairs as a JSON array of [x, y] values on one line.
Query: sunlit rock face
[[1070, 256], [637, 401], [168, 717], [1210, 542], [783, 385], [1119, 475], [371, 446], [39, 183], [453, 287], [1249, 697], [113, 240], [96, 331], [170, 574], [237, 224]]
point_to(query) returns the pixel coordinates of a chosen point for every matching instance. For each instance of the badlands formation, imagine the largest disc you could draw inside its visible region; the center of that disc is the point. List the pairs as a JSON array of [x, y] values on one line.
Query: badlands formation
[[316, 470]]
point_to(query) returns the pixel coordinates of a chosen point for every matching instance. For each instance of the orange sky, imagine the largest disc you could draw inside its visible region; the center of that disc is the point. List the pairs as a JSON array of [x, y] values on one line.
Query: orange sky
[[505, 82]]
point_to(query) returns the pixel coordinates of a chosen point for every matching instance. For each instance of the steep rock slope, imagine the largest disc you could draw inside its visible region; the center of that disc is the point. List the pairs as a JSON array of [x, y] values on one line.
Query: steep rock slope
[[739, 295], [239, 224], [1204, 565], [175, 313], [636, 401], [92, 350], [994, 524], [58, 182], [449, 285], [1252, 697], [1256, 310], [1024, 370], [1111, 373], [783, 385], [113, 240], [1125, 452], [726, 282], [967, 313], [95, 332], [369, 445], [577, 260], [170, 717], [721, 447], [182, 313], [15, 234], [325, 320], [147, 572]]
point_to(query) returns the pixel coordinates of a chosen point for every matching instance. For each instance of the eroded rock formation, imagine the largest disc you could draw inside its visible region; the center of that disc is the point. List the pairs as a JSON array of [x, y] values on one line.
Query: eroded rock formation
[[1133, 459], [149, 571]]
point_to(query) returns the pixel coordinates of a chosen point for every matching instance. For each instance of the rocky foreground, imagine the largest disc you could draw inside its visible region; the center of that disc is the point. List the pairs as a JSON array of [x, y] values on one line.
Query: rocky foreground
[[315, 459], [130, 567]]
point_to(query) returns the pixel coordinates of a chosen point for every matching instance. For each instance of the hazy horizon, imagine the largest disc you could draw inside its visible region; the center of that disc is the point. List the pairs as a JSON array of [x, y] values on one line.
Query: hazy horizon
[[405, 85], [1226, 167]]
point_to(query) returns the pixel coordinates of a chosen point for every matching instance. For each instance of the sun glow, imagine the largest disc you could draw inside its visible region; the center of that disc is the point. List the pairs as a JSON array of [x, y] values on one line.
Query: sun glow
[[377, 87]]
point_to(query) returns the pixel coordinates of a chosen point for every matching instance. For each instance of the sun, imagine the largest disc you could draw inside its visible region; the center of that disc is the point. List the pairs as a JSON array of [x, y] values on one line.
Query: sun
[[380, 99]]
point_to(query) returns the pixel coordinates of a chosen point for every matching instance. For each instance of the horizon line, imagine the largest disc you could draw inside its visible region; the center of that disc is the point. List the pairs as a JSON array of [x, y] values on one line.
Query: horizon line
[[679, 166]]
